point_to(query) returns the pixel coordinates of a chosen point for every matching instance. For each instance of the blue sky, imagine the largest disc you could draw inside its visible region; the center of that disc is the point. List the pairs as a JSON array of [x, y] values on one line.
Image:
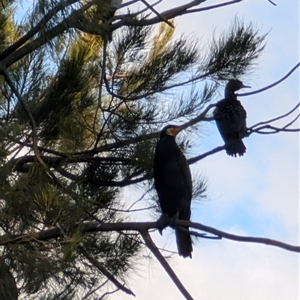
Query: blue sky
[[255, 195]]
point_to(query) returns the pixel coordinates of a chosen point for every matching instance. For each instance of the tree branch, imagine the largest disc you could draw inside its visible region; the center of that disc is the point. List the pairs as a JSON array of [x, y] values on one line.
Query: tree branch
[[238, 238], [208, 153], [106, 273], [273, 84], [86, 227], [40, 26], [152, 247], [157, 13], [259, 127], [3, 70]]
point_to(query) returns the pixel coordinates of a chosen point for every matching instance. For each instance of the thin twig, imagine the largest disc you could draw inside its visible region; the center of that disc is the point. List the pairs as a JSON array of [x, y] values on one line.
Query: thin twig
[[259, 127], [201, 156], [273, 84], [275, 119]]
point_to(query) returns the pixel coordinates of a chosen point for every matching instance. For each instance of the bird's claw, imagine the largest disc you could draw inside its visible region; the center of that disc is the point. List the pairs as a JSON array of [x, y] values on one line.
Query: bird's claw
[[162, 223]]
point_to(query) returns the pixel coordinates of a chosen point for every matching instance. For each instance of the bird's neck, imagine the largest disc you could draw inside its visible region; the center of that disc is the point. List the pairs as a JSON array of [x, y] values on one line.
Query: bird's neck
[[230, 95]]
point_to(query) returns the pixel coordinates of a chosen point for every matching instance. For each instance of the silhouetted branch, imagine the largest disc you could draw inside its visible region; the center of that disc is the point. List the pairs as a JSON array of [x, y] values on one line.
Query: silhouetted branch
[[201, 156], [265, 127], [238, 238], [152, 247], [86, 227], [273, 84], [162, 18], [106, 273]]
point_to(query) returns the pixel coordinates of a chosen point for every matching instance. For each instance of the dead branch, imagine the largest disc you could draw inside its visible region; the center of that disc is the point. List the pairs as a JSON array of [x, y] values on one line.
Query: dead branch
[[273, 84], [152, 247], [238, 238], [208, 153], [162, 18], [105, 272], [265, 127]]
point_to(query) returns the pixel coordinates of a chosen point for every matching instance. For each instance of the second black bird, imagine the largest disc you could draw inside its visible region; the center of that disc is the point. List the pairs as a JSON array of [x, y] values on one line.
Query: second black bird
[[173, 183], [230, 117]]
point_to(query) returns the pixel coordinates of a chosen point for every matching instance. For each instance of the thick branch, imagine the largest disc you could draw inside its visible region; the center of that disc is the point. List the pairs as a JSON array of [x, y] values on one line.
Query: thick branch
[[87, 227]]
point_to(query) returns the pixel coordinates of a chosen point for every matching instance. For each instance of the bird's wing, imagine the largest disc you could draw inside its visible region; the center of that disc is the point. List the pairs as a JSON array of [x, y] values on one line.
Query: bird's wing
[[230, 118], [186, 177]]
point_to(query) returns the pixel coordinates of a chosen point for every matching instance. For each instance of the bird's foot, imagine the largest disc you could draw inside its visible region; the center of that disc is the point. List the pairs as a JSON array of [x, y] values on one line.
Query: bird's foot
[[162, 223]]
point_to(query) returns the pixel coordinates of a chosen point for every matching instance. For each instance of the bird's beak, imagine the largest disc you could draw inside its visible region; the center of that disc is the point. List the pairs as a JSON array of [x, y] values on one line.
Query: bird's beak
[[174, 131], [246, 86]]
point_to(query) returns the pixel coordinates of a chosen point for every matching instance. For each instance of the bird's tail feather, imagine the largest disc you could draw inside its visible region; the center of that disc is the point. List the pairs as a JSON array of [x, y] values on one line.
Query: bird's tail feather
[[184, 243], [235, 147]]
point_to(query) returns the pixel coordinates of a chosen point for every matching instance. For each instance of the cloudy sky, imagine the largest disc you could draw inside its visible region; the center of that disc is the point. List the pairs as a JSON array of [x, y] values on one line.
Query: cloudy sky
[[255, 195]]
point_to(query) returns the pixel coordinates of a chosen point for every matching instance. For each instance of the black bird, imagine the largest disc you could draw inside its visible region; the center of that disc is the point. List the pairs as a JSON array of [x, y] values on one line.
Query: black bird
[[8, 287], [230, 117], [173, 183]]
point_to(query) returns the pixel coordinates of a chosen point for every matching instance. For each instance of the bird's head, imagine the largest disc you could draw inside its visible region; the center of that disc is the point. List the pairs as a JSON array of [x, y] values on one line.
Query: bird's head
[[232, 86], [171, 130], [235, 85]]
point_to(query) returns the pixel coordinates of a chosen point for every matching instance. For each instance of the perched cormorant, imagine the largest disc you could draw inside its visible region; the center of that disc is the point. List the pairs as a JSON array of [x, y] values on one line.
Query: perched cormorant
[[173, 183], [230, 117], [8, 287]]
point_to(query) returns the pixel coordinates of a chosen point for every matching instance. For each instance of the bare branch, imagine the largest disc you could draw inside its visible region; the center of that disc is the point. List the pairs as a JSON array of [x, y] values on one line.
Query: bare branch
[[272, 2], [86, 227], [208, 153], [273, 84], [106, 273], [152, 247], [157, 13], [261, 127], [275, 119], [238, 238]]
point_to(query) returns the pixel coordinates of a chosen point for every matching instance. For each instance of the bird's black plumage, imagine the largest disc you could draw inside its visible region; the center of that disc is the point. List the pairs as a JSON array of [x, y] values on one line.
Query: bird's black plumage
[[230, 117], [173, 183]]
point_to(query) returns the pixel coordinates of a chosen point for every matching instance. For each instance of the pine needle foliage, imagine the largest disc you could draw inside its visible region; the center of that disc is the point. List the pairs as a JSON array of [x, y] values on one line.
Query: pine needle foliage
[[235, 51]]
